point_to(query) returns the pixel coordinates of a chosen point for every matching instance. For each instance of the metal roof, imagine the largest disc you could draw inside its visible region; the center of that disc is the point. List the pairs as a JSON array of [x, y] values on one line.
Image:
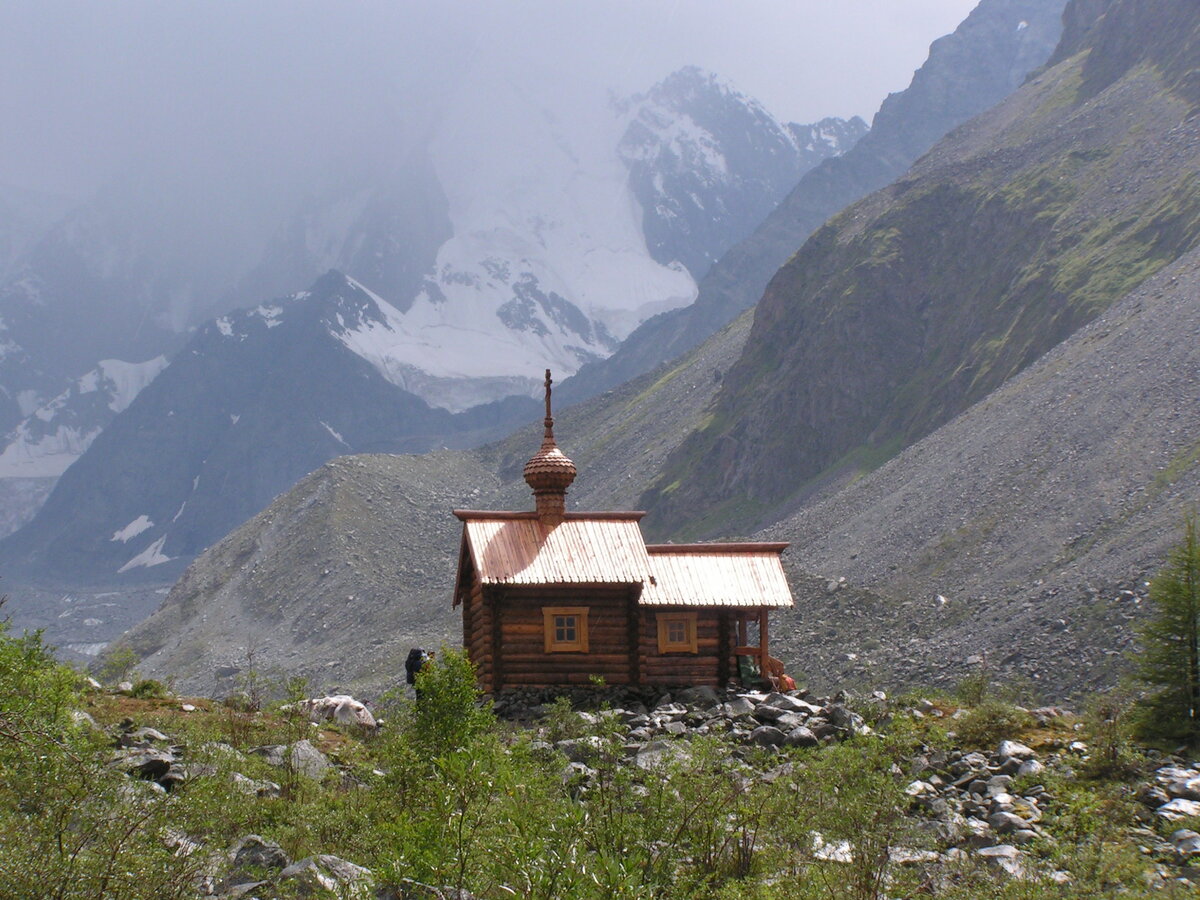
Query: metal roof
[[608, 548], [744, 575], [593, 548]]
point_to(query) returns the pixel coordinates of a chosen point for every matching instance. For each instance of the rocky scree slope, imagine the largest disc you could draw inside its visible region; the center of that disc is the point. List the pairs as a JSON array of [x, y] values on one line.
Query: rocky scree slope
[[334, 581], [987, 57], [918, 301], [1021, 535]]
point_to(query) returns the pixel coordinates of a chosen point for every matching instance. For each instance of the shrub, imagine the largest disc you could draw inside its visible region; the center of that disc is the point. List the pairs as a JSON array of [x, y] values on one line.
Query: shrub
[[449, 711], [991, 722], [149, 689], [1169, 644], [1109, 726], [118, 665], [70, 826]]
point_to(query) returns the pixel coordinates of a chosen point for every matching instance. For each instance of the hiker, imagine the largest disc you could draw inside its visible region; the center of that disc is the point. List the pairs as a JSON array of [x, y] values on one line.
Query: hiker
[[417, 660]]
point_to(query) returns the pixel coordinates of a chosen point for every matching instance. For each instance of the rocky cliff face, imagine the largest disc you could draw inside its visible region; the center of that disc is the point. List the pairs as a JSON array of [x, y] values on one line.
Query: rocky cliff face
[[255, 401], [923, 298], [707, 164], [985, 59]]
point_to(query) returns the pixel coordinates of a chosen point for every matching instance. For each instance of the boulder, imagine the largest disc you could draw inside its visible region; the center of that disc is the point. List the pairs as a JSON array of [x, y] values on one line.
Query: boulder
[[257, 788], [81, 719], [581, 749], [339, 708], [1151, 795], [144, 762], [660, 753], [1186, 842], [703, 697], [788, 703], [845, 719], [1030, 767], [1003, 856], [1006, 822], [256, 855], [801, 736], [765, 712], [1179, 808], [302, 756], [1014, 750], [142, 737], [768, 736], [326, 876]]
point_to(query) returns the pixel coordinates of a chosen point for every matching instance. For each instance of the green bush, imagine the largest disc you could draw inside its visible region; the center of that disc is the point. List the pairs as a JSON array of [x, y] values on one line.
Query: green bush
[[989, 723], [70, 826], [1109, 726], [149, 689], [450, 710]]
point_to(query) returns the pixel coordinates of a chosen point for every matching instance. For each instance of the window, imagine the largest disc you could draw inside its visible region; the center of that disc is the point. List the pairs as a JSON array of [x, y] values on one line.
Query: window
[[677, 632], [565, 629]]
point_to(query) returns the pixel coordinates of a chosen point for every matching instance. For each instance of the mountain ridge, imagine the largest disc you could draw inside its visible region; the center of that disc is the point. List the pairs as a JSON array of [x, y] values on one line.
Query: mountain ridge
[[919, 300], [986, 57]]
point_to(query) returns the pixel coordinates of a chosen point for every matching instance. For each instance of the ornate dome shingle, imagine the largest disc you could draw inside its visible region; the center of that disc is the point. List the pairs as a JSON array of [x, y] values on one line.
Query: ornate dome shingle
[[550, 472]]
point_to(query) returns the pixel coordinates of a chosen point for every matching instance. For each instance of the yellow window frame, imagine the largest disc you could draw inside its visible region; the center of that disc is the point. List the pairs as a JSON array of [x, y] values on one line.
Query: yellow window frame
[[677, 632], [565, 629]]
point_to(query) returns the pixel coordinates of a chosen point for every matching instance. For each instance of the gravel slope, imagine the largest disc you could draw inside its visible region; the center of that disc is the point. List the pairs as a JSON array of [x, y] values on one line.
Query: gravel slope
[[1028, 514]]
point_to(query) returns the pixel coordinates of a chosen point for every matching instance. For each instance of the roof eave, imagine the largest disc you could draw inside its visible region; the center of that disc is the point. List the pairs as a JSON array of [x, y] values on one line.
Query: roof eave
[[723, 547], [474, 514]]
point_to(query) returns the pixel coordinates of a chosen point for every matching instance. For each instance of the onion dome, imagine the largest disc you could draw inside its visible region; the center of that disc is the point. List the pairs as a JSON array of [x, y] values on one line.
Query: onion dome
[[549, 472]]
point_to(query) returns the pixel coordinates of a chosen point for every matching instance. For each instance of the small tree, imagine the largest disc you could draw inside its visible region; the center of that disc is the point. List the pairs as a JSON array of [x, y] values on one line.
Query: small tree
[[1169, 643], [448, 713]]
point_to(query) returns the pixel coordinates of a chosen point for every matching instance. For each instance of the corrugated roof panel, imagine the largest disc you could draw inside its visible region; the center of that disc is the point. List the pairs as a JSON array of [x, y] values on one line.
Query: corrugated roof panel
[[716, 576], [516, 550]]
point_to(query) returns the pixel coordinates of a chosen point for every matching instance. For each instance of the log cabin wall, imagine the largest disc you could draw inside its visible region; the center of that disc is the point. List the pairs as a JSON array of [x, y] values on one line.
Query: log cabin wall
[[523, 660], [477, 631], [704, 667]]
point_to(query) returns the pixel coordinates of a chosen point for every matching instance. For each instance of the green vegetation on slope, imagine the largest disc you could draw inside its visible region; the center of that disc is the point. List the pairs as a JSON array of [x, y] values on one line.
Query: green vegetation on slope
[[922, 299], [447, 795]]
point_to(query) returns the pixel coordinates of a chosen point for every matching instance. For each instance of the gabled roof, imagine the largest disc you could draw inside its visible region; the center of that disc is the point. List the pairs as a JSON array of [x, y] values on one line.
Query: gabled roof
[[744, 575], [586, 548], [515, 548]]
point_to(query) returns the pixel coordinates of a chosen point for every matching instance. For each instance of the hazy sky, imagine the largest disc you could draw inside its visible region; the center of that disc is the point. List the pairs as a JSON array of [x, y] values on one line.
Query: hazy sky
[[90, 89]]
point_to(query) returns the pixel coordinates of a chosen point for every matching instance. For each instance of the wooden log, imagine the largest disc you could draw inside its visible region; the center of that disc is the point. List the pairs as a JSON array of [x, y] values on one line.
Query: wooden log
[[532, 679], [565, 660]]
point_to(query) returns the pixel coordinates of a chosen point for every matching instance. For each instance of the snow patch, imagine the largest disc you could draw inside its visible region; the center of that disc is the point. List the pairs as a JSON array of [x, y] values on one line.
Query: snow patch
[[225, 326], [57, 432], [234, 418], [269, 314], [151, 556], [126, 380], [337, 437], [133, 529], [44, 456]]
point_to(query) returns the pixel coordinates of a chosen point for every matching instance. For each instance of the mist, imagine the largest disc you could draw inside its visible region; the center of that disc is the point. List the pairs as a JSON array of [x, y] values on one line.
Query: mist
[[94, 92]]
